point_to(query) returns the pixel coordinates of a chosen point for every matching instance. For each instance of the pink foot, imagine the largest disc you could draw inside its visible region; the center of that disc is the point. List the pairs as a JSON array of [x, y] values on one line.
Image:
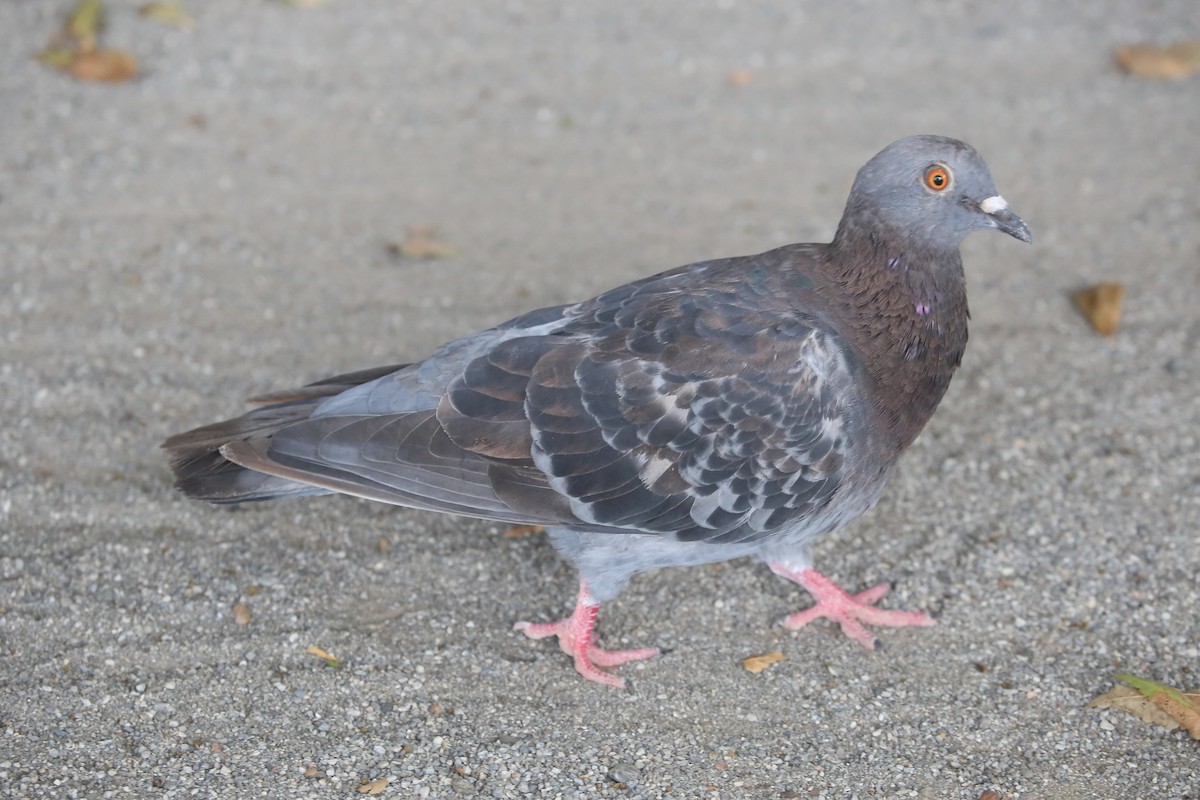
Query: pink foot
[[850, 611], [575, 638]]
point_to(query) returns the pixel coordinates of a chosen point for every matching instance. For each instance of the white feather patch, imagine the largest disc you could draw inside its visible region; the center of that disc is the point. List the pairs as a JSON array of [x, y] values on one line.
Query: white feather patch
[[652, 468], [993, 204]]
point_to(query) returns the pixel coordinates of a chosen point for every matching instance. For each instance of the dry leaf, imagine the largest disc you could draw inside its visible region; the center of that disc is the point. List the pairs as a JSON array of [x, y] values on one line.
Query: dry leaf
[[740, 77], [420, 242], [60, 57], [1134, 702], [312, 772], [1183, 708], [1101, 305], [241, 614], [167, 13], [75, 49], [757, 664], [1155, 703], [374, 787], [84, 25], [518, 531], [384, 544], [77, 35], [109, 66], [1178, 60], [330, 660]]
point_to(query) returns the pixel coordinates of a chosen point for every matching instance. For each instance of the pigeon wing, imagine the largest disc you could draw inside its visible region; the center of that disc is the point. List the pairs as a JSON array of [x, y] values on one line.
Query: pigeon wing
[[712, 409], [704, 403]]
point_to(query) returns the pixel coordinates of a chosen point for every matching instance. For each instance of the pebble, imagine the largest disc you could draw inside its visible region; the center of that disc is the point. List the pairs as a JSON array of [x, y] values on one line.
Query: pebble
[[625, 773]]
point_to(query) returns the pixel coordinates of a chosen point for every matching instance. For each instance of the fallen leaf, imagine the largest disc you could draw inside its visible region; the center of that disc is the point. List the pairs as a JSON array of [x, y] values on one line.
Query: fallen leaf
[[75, 49], [108, 66], [518, 531], [312, 772], [757, 664], [740, 77], [330, 660], [60, 57], [1173, 61], [1184, 709], [241, 614], [1101, 306], [1134, 702], [84, 24], [384, 544], [420, 243], [374, 787], [167, 13]]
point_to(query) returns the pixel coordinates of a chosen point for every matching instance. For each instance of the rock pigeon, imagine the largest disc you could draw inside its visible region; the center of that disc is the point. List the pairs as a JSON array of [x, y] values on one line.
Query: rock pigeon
[[729, 408]]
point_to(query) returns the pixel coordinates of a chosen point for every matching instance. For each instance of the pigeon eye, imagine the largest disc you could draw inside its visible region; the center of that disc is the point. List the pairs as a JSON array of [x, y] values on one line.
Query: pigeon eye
[[937, 177]]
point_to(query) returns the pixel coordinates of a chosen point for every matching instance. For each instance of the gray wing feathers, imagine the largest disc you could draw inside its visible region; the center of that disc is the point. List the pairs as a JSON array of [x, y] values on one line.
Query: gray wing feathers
[[399, 459], [703, 404]]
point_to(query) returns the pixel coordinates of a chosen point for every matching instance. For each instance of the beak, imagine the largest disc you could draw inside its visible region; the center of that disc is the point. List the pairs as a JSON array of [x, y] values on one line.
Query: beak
[[1002, 218]]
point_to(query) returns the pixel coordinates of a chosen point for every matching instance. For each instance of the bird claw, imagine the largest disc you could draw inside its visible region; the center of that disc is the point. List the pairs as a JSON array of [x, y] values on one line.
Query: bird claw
[[850, 611], [575, 639]]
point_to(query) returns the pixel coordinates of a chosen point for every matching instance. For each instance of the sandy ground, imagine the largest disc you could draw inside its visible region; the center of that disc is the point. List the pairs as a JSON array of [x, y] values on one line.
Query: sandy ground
[[219, 227]]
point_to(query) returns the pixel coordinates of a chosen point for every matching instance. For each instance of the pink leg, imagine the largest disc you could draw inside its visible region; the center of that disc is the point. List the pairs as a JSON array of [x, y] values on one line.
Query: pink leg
[[575, 638], [848, 610]]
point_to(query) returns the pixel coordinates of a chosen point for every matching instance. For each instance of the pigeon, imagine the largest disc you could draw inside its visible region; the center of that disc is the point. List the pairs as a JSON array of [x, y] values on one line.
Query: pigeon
[[724, 409]]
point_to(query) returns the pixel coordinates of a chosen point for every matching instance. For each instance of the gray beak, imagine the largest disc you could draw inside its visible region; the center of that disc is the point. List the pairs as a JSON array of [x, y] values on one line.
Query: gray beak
[[1002, 217]]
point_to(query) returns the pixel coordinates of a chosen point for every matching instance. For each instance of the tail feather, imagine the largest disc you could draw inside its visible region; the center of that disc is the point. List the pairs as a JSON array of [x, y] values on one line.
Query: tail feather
[[201, 472]]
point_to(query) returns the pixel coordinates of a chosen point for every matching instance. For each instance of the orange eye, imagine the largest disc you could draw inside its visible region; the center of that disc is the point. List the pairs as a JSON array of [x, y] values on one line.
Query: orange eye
[[937, 177]]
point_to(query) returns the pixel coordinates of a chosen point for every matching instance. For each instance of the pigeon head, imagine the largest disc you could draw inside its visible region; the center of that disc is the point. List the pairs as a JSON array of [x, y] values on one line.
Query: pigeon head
[[933, 190]]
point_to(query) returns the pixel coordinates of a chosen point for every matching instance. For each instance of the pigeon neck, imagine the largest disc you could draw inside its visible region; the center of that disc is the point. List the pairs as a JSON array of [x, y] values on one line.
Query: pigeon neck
[[907, 309]]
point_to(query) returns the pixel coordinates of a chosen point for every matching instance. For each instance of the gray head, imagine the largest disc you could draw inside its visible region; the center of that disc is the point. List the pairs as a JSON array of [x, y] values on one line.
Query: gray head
[[932, 189]]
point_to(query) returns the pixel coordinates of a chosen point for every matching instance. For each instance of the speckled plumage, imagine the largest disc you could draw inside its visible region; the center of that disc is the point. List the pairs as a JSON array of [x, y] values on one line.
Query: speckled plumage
[[734, 407]]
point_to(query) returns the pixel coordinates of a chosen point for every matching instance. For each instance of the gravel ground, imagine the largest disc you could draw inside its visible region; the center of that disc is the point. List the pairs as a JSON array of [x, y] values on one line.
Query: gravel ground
[[219, 227]]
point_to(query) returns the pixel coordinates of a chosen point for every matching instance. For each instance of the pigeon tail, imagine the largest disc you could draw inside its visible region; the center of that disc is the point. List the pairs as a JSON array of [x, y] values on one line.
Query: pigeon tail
[[575, 638], [202, 472], [850, 611]]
